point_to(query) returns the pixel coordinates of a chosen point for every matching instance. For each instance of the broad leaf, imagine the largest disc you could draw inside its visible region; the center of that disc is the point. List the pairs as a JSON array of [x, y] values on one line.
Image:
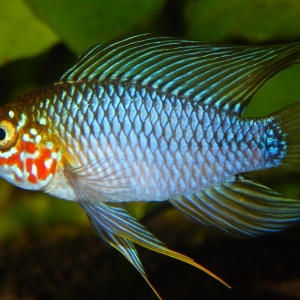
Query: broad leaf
[[22, 34], [255, 21], [83, 23]]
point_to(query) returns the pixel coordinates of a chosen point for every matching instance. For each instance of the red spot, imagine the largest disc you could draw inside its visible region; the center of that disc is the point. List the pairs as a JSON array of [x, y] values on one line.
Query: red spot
[[32, 178], [53, 167], [18, 178], [30, 147], [15, 159], [29, 163], [42, 171], [46, 153], [12, 160]]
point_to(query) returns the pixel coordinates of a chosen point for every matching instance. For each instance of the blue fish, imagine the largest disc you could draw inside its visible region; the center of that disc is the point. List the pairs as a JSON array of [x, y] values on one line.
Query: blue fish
[[147, 118]]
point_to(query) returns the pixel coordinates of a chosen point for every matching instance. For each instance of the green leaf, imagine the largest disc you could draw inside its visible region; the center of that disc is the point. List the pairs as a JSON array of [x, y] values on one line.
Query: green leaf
[[83, 23], [255, 21], [279, 91], [22, 34]]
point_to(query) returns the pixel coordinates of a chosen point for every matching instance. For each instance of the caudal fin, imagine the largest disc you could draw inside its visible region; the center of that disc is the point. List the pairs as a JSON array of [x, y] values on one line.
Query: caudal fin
[[283, 138]]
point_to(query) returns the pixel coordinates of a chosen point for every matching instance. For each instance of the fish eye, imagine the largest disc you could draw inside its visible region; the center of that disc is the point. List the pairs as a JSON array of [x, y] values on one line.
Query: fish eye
[[7, 133]]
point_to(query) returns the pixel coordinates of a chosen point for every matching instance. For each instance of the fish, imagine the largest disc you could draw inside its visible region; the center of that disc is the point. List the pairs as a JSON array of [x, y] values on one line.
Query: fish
[[149, 118]]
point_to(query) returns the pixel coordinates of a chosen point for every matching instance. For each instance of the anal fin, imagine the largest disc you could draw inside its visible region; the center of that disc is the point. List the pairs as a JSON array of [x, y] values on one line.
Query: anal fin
[[240, 207]]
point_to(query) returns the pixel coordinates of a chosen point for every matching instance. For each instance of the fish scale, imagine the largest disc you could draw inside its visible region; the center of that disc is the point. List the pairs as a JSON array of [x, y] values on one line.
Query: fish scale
[[146, 118], [141, 138]]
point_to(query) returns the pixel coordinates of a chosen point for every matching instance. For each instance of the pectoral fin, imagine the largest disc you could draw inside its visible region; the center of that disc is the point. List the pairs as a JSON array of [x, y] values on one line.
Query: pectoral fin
[[240, 207]]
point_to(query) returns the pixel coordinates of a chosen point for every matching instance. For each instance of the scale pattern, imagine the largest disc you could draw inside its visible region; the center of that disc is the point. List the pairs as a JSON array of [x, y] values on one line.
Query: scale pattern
[[147, 146]]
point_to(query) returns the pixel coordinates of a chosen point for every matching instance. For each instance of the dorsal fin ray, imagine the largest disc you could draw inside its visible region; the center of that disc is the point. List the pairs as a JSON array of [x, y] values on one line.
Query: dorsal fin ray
[[223, 76]]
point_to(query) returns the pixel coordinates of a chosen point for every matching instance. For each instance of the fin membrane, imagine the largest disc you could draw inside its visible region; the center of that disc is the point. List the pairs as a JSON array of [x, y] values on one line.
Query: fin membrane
[[222, 76], [113, 223], [126, 247], [241, 208]]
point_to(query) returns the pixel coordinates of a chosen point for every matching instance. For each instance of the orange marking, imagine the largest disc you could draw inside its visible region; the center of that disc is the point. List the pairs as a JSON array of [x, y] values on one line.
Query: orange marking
[[53, 167], [41, 168], [32, 178], [29, 163], [30, 147], [18, 178], [12, 160], [46, 153], [43, 172]]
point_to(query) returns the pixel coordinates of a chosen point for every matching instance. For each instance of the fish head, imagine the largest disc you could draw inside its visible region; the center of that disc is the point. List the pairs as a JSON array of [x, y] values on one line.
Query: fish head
[[28, 156]]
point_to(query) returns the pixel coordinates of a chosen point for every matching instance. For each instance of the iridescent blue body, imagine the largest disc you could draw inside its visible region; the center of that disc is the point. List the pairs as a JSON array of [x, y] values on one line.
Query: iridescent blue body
[[148, 118], [151, 147]]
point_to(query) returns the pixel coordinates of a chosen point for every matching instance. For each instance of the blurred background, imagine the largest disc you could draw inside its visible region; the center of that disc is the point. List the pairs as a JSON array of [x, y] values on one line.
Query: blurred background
[[47, 247]]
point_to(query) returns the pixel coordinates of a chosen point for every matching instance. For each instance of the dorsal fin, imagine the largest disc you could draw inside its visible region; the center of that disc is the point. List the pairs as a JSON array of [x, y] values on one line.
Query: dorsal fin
[[224, 76]]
